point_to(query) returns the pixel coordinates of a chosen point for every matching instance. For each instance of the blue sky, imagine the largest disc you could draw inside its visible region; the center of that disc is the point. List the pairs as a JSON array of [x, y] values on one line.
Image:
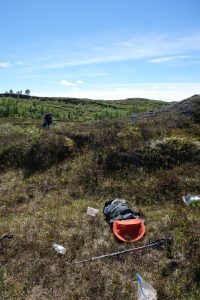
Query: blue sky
[[101, 49]]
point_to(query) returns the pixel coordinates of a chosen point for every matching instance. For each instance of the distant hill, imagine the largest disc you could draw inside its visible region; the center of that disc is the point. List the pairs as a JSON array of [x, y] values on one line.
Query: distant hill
[[74, 100], [189, 107], [73, 109]]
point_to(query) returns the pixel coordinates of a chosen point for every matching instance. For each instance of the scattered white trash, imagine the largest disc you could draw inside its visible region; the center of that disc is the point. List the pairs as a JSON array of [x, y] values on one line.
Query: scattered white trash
[[60, 249], [145, 290], [192, 200], [92, 211]]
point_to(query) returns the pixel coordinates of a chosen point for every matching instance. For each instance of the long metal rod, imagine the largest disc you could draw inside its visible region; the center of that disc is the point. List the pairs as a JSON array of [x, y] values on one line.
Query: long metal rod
[[119, 252]]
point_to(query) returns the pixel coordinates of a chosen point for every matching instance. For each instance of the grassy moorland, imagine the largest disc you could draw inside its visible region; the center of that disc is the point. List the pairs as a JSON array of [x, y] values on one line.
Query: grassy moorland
[[73, 109], [48, 178]]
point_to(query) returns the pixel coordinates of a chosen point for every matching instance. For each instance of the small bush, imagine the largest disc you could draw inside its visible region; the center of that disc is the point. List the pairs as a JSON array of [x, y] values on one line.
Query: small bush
[[44, 152], [12, 153], [34, 154], [159, 154], [169, 152]]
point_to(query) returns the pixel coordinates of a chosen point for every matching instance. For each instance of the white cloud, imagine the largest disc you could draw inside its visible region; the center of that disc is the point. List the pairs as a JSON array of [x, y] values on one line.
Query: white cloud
[[162, 59], [155, 48], [73, 85], [66, 83], [80, 82], [172, 91], [166, 59], [5, 65], [163, 91]]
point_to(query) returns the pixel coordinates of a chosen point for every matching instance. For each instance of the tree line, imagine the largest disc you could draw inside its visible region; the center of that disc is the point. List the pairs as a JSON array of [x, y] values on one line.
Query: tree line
[[26, 92]]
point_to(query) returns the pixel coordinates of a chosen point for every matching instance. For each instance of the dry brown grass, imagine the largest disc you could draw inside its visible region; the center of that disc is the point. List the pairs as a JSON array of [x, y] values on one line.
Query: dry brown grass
[[50, 207]]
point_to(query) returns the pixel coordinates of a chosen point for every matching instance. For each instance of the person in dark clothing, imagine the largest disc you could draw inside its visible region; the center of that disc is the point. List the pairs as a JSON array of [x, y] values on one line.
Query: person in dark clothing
[[48, 120]]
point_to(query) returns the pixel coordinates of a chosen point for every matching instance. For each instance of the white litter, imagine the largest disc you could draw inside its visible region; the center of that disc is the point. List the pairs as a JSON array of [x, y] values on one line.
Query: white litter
[[92, 211], [192, 200], [145, 290], [58, 248]]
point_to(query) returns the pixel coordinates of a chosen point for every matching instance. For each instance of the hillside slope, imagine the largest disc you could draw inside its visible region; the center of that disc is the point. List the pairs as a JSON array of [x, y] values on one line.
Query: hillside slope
[[72, 109], [189, 107]]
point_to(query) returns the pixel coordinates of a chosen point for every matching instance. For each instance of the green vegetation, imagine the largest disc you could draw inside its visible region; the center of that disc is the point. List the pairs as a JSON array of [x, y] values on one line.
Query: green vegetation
[[48, 178], [73, 109]]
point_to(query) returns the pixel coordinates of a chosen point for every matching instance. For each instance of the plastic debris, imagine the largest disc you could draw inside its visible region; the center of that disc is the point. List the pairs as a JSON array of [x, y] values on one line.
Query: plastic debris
[[145, 290], [192, 200], [92, 211], [60, 249]]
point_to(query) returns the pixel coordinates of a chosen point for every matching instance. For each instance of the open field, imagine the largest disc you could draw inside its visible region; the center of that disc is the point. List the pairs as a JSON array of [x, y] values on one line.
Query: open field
[[48, 178]]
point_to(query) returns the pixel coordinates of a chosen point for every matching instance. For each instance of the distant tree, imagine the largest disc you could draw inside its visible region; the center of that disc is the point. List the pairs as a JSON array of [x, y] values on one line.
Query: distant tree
[[6, 92], [11, 92], [19, 92], [27, 92]]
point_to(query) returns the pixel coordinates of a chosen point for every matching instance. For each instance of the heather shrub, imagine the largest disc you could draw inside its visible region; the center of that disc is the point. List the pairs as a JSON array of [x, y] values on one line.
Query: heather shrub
[[44, 152], [12, 152], [34, 153], [100, 162], [169, 152], [160, 125], [159, 154], [84, 174]]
